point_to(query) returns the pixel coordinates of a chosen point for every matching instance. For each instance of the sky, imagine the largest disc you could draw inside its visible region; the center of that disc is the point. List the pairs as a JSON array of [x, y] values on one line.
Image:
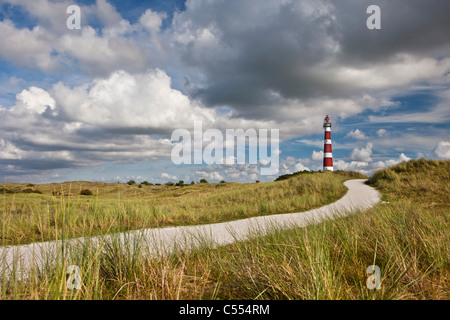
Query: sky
[[100, 103]]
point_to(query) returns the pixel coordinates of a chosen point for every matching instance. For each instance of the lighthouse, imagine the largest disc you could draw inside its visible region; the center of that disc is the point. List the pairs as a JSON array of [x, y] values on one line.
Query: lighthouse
[[327, 154]]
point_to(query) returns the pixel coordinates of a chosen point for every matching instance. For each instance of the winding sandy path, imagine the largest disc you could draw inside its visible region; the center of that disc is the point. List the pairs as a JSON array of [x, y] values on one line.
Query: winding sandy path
[[163, 240]]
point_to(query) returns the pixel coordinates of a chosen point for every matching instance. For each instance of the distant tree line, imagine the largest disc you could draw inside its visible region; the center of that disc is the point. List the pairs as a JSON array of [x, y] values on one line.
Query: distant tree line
[[26, 190], [180, 183]]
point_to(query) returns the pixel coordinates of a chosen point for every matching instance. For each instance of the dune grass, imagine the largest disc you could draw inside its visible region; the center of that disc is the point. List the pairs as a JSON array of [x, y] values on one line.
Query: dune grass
[[31, 217], [407, 236]]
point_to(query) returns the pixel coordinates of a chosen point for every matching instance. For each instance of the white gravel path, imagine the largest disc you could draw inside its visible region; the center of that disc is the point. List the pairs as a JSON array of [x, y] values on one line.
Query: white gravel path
[[359, 197]]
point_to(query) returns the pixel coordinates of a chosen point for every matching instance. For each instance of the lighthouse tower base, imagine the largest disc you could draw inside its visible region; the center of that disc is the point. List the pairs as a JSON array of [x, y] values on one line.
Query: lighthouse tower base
[[327, 168]]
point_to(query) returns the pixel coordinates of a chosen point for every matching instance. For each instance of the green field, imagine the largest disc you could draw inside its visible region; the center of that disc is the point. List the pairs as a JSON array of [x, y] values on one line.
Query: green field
[[406, 235]]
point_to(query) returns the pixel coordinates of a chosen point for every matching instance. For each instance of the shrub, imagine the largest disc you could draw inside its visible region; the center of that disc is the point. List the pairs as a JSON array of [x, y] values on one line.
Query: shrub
[[192, 183], [180, 183], [140, 186], [290, 175], [350, 174], [222, 181], [86, 192], [30, 185], [131, 182], [146, 183], [4, 190], [203, 181], [386, 174], [170, 183]]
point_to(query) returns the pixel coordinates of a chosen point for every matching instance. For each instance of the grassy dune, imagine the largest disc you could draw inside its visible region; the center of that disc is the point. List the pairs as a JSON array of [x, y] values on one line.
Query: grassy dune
[[407, 236], [60, 211]]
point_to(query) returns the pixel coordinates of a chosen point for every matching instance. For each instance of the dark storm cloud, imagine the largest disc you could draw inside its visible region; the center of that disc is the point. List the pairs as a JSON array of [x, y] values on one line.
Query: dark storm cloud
[[416, 27], [262, 54]]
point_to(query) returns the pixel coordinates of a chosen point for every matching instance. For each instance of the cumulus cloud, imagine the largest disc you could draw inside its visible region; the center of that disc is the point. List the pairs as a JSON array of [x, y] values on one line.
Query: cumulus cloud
[[442, 150], [34, 99], [239, 173], [249, 172], [212, 175], [363, 155], [51, 47], [401, 157], [357, 134], [368, 168], [28, 48], [317, 155], [122, 118], [165, 175], [292, 164], [38, 134], [126, 101], [359, 166], [382, 132], [111, 53], [9, 151], [152, 20], [301, 167]]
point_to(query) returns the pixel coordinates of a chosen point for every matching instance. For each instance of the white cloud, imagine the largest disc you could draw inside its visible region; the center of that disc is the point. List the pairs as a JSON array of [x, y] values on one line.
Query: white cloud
[[9, 151], [317, 155], [357, 134], [368, 168], [52, 14], [165, 175], [106, 13], [51, 47], [403, 70], [152, 20], [28, 48], [34, 99], [391, 162], [249, 172], [382, 132], [442, 150], [300, 167], [123, 100], [212, 175], [350, 166], [30, 132], [292, 164], [99, 54], [403, 157], [362, 154]]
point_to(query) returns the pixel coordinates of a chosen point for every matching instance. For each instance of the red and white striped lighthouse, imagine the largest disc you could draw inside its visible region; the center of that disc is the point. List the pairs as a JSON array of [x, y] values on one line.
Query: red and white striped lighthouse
[[327, 154]]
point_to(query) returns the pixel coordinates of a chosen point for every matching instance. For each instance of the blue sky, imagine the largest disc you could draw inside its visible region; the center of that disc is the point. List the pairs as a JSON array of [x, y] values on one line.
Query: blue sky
[[100, 103]]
